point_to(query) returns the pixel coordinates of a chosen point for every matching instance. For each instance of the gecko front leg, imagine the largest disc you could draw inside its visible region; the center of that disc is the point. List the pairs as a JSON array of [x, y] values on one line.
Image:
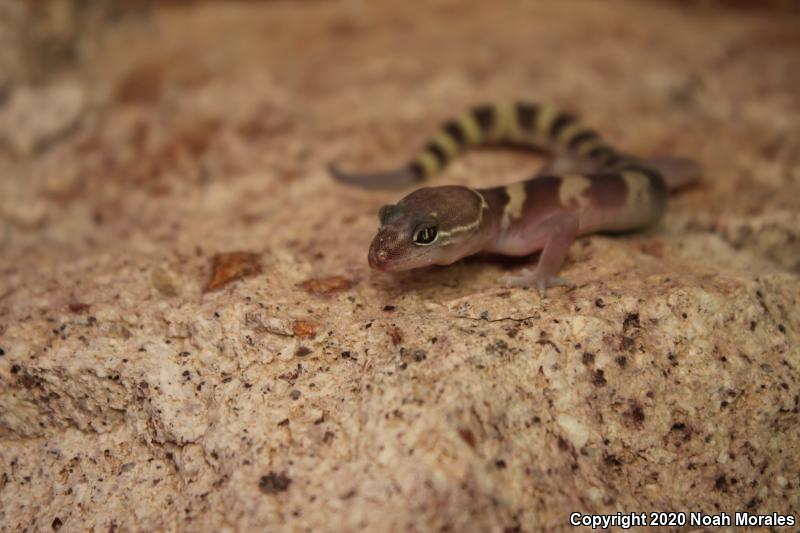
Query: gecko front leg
[[557, 232]]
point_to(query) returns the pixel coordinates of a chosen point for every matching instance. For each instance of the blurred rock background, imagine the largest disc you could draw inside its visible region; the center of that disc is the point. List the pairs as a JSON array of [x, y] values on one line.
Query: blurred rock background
[[190, 337]]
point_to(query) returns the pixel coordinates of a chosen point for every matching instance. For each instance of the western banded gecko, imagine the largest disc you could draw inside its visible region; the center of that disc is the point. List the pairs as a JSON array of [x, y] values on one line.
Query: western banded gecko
[[591, 187]]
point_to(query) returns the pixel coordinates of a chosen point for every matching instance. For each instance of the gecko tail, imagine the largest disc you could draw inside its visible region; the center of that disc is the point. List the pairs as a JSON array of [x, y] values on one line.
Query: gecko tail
[[392, 179], [678, 172]]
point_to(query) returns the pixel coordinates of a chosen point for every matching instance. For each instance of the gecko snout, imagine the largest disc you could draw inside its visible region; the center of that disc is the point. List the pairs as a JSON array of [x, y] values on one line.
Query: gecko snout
[[378, 260], [379, 256]]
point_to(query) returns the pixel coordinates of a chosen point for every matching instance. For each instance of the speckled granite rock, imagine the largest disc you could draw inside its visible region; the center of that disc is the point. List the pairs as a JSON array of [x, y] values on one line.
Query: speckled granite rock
[[294, 389]]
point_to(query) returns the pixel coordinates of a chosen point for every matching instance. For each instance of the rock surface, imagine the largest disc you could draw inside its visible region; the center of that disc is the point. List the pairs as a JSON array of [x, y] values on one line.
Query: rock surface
[[294, 389]]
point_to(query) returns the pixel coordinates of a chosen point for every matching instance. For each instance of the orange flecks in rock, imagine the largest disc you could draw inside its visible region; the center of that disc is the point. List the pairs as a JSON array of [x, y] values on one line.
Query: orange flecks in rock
[[653, 247], [231, 266], [143, 85], [325, 286], [305, 328], [79, 307], [265, 124], [302, 351], [467, 436], [179, 156], [249, 219], [395, 334], [146, 82]]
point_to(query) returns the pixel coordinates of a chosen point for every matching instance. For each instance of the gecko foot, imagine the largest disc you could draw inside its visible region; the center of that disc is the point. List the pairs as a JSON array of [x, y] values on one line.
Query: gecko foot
[[530, 278]]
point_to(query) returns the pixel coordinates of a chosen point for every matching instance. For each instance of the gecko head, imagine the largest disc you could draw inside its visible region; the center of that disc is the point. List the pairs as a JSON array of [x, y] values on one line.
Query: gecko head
[[430, 226]]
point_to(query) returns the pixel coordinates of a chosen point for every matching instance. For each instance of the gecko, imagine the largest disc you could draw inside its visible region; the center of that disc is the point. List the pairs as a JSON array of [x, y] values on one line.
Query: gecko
[[588, 187]]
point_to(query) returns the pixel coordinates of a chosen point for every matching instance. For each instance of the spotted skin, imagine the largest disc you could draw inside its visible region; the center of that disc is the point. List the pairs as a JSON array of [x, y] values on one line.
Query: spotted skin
[[595, 188]]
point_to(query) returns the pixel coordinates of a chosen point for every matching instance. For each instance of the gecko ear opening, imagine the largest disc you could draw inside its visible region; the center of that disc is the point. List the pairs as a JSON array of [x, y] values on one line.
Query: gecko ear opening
[[389, 213]]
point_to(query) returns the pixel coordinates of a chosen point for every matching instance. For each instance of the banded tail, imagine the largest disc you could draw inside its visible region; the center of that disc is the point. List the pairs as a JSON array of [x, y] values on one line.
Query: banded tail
[[519, 124]]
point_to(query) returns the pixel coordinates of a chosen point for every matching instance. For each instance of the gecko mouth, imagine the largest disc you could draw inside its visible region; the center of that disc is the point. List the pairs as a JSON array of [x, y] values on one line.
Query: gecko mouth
[[386, 261]]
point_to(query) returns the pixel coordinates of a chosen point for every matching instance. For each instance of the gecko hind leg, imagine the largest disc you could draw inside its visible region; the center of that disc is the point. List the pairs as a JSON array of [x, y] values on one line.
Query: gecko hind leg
[[559, 232]]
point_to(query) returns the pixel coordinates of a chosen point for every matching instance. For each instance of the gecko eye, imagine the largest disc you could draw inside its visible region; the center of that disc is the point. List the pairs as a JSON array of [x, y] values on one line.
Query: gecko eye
[[425, 235]]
